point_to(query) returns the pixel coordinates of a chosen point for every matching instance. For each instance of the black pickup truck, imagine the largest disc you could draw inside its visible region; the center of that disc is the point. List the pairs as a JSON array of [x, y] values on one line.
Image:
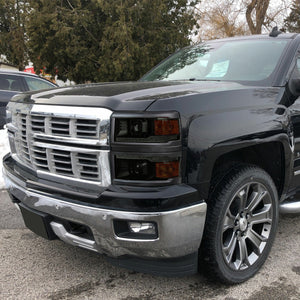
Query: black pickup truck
[[192, 163]]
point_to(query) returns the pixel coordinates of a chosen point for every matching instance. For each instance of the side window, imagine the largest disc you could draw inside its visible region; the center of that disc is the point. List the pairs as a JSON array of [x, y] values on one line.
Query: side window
[[296, 72], [11, 83], [4, 83], [35, 84]]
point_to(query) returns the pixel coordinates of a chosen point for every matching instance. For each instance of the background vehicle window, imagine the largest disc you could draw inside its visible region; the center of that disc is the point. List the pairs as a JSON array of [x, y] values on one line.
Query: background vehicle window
[[11, 83], [4, 84], [35, 84]]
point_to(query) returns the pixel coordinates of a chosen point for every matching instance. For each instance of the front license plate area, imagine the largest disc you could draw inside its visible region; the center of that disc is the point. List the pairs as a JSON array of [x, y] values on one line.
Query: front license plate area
[[37, 222]]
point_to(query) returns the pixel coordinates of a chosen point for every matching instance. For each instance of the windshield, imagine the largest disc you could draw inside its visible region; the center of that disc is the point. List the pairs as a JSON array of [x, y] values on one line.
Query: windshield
[[242, 60]]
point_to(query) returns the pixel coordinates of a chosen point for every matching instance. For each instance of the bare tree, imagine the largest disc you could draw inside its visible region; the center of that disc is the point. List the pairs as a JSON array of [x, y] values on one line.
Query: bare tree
[[218, 19], [221, 18], [255, 15]]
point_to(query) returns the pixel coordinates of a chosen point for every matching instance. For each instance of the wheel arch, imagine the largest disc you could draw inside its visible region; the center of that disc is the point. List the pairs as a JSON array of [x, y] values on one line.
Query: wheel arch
[[273, 156]]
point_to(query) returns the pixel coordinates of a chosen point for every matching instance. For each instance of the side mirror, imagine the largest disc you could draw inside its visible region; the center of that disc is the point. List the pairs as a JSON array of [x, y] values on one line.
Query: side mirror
[[294, 82], [294, 86]]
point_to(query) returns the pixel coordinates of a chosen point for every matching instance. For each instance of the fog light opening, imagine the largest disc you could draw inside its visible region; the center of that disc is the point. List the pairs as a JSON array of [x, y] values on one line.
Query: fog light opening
[[136, 230]]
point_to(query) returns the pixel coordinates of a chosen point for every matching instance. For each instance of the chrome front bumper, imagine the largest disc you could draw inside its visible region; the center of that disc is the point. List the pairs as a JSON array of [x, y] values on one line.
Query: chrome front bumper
[[179, 231]]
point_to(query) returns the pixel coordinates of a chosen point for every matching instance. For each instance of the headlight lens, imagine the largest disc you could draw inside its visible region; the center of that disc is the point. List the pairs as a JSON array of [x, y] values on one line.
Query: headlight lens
[[143, 130], [145, 169]]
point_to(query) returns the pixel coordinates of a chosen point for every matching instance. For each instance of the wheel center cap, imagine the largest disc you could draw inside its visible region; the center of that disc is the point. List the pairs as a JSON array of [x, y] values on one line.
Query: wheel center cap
[[243, 224]]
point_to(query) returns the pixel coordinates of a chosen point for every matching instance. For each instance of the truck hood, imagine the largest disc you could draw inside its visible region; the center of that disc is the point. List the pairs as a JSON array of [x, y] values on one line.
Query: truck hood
[[125, 95]]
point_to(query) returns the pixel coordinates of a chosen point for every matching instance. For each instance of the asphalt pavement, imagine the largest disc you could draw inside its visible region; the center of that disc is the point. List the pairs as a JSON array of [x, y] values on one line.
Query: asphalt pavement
[[34, 268]]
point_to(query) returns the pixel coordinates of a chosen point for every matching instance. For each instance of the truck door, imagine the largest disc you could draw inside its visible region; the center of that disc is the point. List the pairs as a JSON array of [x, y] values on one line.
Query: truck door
[[295, 117]]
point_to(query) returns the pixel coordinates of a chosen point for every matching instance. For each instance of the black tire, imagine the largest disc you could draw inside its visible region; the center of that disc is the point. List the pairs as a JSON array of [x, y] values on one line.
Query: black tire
[[241, 224]]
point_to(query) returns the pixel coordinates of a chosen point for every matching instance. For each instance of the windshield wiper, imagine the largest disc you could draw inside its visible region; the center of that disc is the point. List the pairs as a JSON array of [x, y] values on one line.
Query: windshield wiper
[[195, 79]]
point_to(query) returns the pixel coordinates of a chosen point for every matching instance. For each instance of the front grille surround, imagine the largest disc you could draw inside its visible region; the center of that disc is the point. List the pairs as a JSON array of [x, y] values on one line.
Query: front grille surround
[[63, 141]]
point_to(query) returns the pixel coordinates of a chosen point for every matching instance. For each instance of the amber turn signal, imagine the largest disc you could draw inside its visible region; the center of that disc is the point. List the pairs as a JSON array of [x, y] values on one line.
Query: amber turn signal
[[167, 169], [166, 127]]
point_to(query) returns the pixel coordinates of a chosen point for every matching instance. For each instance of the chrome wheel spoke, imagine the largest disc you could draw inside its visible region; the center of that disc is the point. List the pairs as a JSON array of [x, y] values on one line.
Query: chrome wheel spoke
[[243, 254], [243, 196], [256, 238], [229, 221], [230, 248], [256, 199], [263, 216]]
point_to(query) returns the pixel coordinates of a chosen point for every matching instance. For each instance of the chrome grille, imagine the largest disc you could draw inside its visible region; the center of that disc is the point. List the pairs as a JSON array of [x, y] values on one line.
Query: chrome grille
[[23, 147], [79, 128], [80, 165], [37, 124], [61, 145], [88, 165], [39, 158], [86, 128], [60, 126], [62, 163]]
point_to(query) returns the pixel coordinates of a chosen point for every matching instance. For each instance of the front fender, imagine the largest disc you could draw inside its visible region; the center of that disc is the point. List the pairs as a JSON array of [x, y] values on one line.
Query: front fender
[[213, 136]]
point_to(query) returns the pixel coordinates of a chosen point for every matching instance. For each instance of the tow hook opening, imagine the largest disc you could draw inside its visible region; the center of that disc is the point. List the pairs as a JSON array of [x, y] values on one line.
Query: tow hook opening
[[77, 229]]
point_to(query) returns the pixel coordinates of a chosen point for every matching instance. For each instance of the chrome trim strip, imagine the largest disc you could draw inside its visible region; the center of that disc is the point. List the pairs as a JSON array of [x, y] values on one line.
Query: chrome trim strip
[[297, 173], [66, 148], [73, 112], [69, 180], [11, 127], [17, 206], [180, 231], [69, 140], [144, 240]]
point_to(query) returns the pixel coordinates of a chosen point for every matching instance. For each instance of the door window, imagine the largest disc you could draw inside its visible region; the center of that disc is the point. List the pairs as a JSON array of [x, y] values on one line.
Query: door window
[[11, 83], [35, 84]]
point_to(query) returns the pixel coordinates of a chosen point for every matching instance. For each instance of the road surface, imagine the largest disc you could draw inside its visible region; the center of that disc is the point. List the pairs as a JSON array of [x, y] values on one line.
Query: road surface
[[34, 268]]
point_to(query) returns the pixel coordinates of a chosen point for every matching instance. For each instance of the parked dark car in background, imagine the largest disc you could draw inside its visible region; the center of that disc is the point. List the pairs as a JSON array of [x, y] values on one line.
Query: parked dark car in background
[[14, 82]]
